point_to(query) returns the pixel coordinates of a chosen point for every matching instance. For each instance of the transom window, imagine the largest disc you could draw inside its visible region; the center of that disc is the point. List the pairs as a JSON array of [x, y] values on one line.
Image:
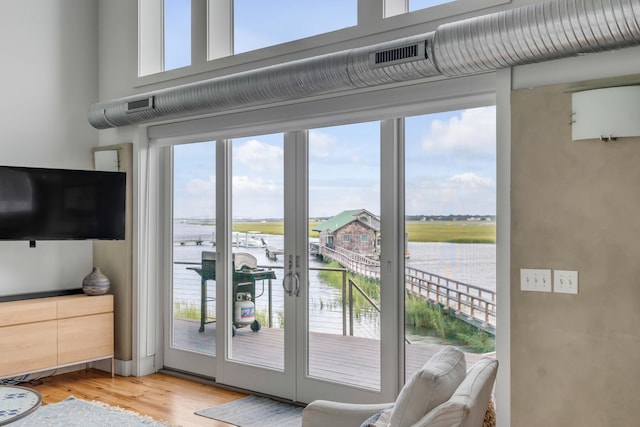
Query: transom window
[[260, 23], [424, 4], [229, 27], [177, 34]]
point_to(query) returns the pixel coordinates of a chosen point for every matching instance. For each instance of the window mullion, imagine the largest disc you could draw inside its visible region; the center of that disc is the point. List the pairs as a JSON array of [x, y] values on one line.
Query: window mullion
[[150, 37], [199, 38], [395, 7], [370, 13], [219, 29]]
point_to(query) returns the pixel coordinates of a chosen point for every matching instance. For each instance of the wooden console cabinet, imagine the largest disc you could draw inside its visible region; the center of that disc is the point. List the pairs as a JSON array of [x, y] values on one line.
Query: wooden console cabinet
[[48, 333]]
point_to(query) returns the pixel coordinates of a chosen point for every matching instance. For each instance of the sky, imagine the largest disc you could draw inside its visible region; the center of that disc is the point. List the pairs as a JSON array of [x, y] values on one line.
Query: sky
[[450, 168], [291, 20], [450, 164]]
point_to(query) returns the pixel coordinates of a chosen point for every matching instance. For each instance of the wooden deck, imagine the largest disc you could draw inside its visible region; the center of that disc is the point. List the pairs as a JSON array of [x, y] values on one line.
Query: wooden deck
[[345, 359]]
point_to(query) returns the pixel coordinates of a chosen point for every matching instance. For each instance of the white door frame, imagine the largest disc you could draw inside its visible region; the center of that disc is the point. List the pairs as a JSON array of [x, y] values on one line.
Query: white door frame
[[442, 96]]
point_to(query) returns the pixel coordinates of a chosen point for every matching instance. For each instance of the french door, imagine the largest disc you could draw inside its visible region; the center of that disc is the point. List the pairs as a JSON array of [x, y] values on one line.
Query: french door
[[269, 311]]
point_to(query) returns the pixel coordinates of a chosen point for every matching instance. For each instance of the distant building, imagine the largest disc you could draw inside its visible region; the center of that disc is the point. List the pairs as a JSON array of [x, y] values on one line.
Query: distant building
[[355, 230]]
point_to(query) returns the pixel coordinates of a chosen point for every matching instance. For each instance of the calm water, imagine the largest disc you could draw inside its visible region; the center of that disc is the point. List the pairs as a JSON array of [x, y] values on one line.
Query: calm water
[[474, 264], [470, 263]]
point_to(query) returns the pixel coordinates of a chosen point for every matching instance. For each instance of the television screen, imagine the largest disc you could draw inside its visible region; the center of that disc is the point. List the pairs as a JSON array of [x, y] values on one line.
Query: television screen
[[61, 204]]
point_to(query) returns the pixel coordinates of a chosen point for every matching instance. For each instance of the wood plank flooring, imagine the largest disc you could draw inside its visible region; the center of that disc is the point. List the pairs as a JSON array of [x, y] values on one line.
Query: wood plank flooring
[[160, 396], [174, 400]]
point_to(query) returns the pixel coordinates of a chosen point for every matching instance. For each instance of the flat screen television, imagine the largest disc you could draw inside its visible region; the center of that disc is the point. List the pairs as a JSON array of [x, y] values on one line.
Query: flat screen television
[[61, 204]]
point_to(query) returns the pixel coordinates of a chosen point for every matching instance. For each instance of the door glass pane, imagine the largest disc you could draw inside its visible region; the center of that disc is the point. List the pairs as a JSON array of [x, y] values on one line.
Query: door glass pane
[[193, 297], [450, 207], [258, 243], [260, 23], [177, 34], [344, 276]]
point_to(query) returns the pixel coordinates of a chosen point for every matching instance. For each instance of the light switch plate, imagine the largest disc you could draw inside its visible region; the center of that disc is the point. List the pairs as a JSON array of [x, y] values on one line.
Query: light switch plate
[[536, 280], [565, 281]]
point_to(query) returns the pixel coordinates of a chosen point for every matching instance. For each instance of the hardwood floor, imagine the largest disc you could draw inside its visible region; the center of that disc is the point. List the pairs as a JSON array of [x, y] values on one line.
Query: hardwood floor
[[160, 396]]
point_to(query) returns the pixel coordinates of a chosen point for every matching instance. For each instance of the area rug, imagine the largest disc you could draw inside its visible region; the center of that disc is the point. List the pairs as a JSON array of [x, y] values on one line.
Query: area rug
[[255, 411], [75, 412]]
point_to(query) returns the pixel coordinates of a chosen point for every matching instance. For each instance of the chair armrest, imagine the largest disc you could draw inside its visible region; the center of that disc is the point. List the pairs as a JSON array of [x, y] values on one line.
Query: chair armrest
[[445, 415], [323, 413]]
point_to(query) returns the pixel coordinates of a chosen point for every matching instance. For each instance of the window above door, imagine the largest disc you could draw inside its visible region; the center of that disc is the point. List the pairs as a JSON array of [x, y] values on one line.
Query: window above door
[[191, 36]]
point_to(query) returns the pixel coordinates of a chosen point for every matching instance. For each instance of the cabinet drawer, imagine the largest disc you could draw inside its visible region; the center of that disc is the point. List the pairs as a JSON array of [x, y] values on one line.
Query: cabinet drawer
[[85, 338], [82, 305], [18, 312], [28, 347]]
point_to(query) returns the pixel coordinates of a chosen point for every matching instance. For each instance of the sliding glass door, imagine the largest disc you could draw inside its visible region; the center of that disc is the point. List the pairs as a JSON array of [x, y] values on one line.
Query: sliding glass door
[[450, 224], [276, 271], [190, 332], [331, 263], [341, 341]]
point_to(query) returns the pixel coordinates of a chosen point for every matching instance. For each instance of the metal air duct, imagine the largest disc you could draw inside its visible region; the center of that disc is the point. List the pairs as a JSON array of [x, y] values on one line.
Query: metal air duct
[[535, 33]]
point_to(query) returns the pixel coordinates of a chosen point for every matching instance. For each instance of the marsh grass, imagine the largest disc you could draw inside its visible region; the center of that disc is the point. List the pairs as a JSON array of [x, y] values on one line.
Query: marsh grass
[[451, 231], [418, 231], [191, 311], [423, 317], [185, 310], [369, 286], [426, 318]]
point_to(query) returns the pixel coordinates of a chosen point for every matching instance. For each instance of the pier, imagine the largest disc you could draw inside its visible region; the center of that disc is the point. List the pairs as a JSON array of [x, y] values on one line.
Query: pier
[[273, 252], [470, 303], [197, 239]]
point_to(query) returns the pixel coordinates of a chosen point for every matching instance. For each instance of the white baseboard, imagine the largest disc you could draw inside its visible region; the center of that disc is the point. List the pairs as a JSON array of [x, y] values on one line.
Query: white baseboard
[[124, 367]]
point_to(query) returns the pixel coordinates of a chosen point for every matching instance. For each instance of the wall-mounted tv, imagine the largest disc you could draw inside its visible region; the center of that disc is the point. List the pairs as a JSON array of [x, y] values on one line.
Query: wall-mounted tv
[[61, 204]]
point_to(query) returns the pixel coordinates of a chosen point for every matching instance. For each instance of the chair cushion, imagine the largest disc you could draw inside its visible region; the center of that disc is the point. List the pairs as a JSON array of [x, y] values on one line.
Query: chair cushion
[[429, 387], [468, 405], [475, 391]]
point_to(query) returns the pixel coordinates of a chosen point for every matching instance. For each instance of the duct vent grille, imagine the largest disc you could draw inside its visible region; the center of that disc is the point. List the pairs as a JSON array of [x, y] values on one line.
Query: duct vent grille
[[140, 105], [397, 55]]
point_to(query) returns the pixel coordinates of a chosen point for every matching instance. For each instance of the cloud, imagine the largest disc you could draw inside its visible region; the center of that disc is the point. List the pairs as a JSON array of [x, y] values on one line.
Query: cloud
[[321, 144], [196, 198], [256, 197], [471, 132], [201, 187], [258, 156], [471, 180], [465, 193]]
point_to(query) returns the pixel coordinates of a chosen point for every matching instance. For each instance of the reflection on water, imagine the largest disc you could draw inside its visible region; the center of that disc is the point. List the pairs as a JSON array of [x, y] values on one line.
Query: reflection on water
[[471, 263]]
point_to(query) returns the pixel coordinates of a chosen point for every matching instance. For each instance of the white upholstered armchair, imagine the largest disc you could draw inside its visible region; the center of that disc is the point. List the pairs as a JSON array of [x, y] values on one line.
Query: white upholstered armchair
[[441, 394]]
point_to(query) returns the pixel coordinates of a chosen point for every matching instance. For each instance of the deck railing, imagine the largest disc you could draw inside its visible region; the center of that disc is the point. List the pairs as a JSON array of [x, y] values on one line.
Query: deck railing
[[356, 263], [470, 303]]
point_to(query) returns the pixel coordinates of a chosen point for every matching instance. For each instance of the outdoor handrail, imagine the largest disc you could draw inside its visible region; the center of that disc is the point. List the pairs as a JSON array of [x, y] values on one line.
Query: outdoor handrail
[[352, 285], [270, 298], [455, 294], [481, 290], [409, 271]]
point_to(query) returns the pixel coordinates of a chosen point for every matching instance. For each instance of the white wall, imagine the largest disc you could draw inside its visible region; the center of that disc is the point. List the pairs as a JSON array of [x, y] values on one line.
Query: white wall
[[49, 77]]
